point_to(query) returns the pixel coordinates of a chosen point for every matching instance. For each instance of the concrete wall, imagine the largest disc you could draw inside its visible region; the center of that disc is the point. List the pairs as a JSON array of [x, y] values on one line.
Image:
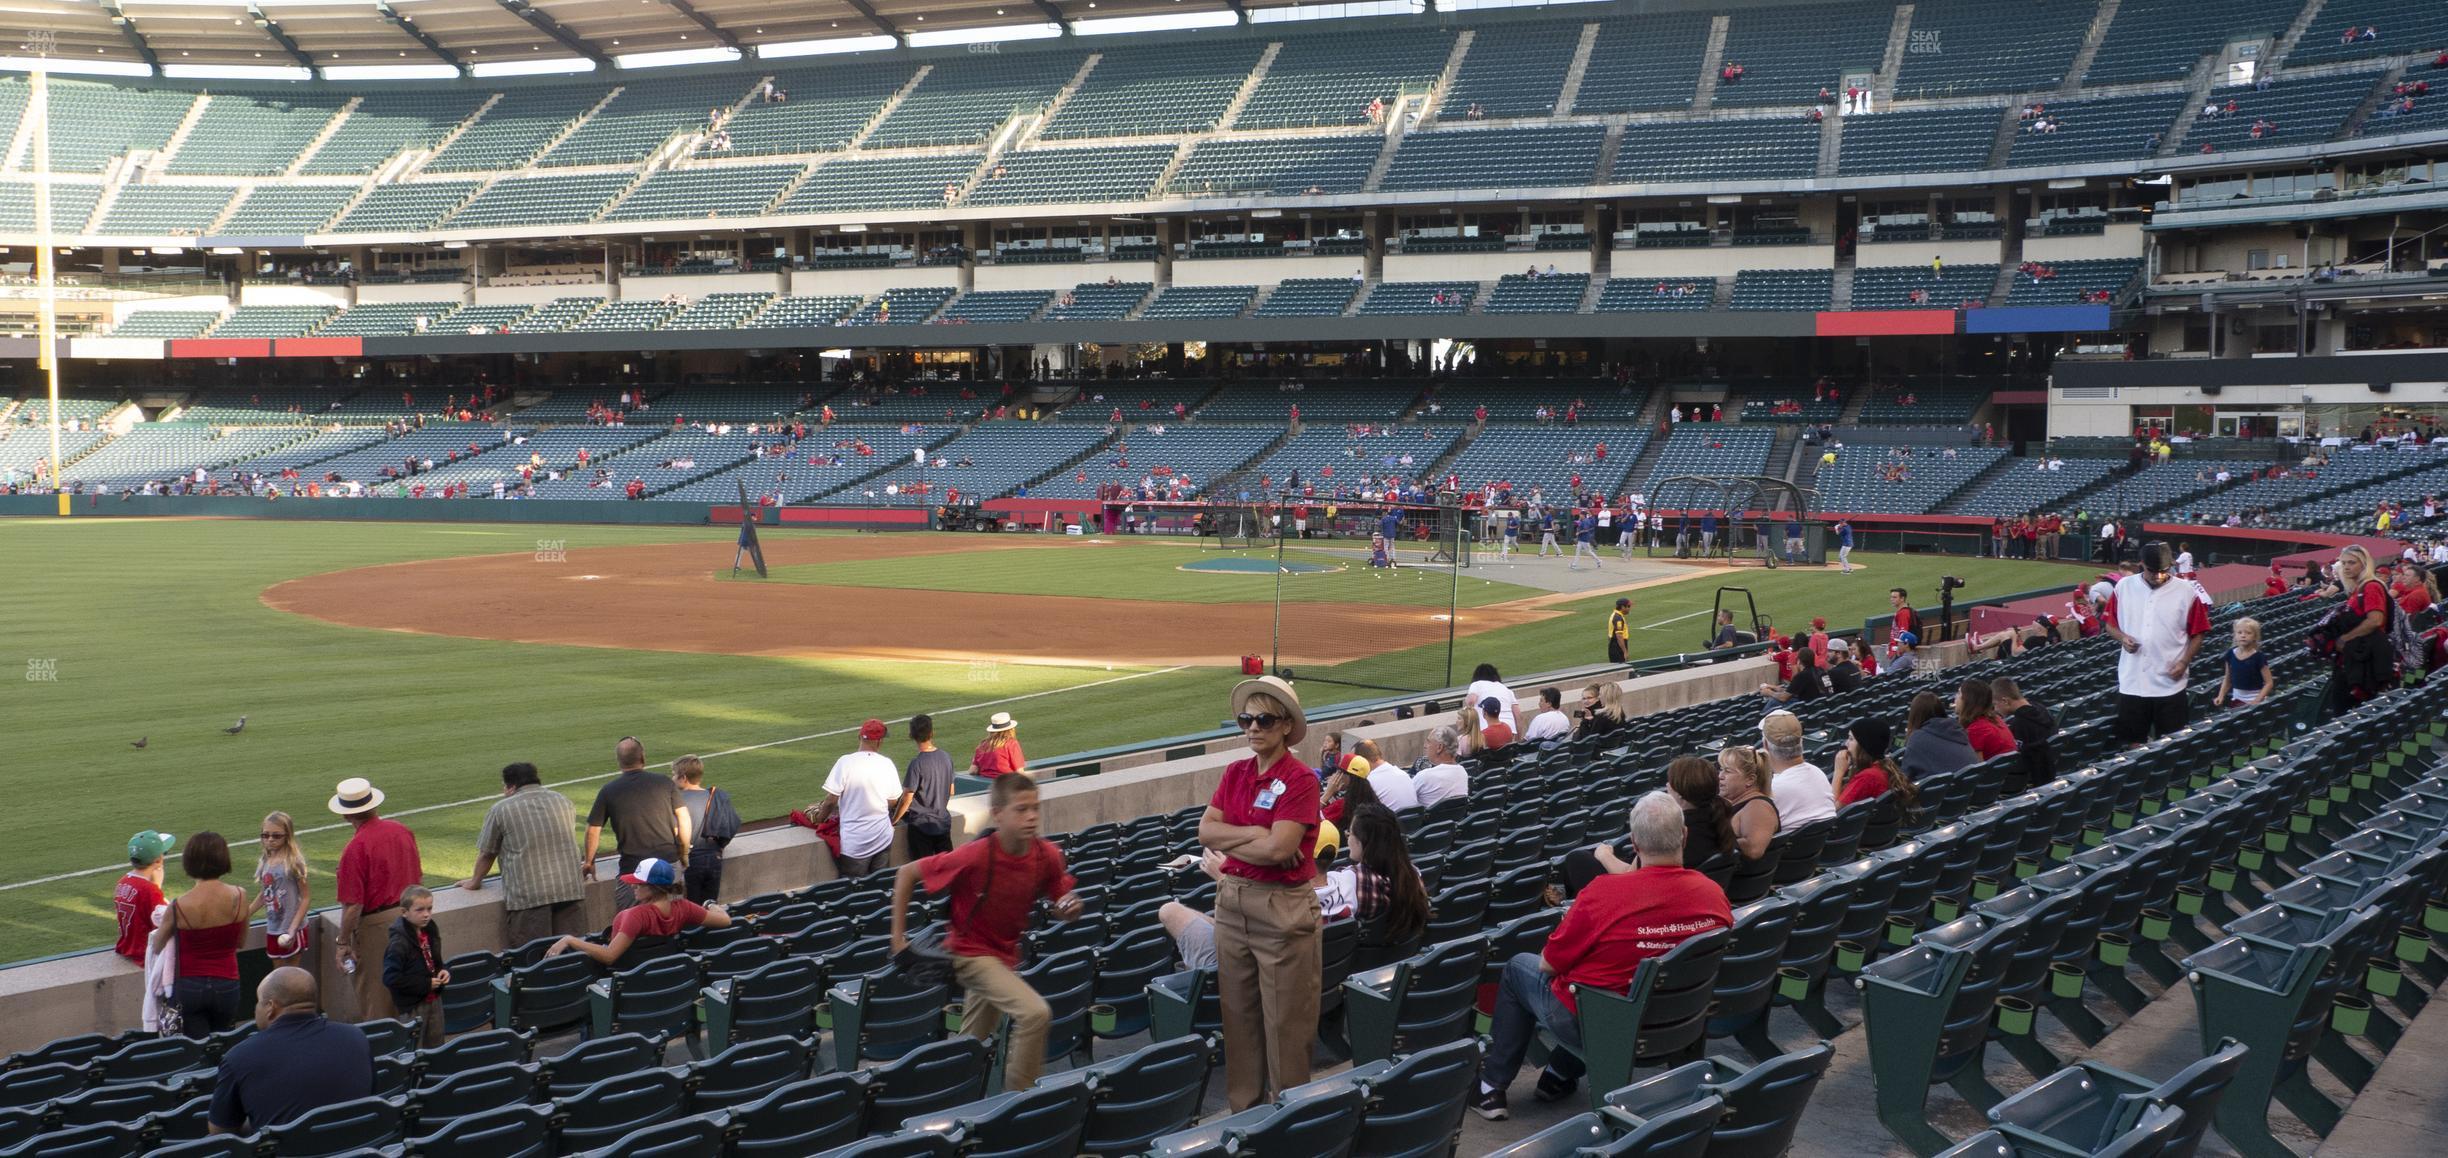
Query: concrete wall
[[1709, 261], [430, 291], [293, 295], [2121, 240], [100, 992], [1918, 254], [1478, 266], [529, 295], [1262, 271], [869, 282], [694, 286], [1026, 276]]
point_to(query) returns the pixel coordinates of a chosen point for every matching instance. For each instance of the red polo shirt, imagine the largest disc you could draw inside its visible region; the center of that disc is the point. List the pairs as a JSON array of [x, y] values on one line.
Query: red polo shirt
[[1290, 792], [379, 864], [991, 892], [1622, 920]]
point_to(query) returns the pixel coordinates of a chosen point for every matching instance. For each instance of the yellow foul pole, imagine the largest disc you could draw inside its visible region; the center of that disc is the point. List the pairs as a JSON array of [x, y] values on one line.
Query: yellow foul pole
[[38, 109]]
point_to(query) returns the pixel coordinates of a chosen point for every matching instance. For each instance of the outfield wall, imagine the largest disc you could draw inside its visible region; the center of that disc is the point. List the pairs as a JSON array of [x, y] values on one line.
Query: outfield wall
[[99, 992]]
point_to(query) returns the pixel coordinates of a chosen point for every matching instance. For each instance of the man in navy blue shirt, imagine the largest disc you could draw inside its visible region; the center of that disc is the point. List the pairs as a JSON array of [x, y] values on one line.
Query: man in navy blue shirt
[[297, 1062]]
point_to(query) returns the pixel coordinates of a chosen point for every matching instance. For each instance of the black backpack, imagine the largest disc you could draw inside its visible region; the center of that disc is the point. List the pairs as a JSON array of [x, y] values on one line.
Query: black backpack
[[722, 821]]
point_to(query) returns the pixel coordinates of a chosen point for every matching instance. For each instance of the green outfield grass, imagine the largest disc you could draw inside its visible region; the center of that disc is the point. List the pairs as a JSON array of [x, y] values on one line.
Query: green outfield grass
[[1132, 569], [135, 629]]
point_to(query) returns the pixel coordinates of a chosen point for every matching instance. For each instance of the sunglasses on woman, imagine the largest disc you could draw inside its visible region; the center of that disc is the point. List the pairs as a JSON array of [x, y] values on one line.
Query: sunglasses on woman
[[1264, 720]]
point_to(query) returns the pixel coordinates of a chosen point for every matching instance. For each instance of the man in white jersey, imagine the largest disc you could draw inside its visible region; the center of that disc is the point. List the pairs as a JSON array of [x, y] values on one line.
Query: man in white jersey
[[2159, 621]]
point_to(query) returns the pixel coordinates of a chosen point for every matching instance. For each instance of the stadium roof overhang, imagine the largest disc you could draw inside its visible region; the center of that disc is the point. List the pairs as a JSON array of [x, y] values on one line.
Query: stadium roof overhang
[[197, 37]]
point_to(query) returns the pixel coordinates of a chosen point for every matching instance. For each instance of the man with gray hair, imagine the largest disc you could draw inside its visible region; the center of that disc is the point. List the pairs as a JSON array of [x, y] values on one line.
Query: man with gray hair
[[1800, 789], [1444, 777], [1615, 924]]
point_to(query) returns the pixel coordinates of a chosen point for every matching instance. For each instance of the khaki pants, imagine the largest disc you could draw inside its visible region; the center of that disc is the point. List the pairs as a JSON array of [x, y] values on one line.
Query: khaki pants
[[993, 992], [1267, 980], [373, 936]]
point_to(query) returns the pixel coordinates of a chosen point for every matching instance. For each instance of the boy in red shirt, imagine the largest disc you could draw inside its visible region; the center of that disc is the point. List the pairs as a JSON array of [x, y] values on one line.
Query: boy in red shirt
[[1494, 733], [1616, 923], [140, 892], [993, 882]]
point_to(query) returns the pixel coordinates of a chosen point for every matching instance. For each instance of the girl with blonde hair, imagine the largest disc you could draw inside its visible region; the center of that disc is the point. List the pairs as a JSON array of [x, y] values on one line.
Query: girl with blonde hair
[[281, 890]]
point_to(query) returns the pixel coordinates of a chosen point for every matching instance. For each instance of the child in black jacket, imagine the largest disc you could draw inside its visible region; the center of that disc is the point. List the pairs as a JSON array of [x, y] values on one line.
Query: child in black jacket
[[412, 966]]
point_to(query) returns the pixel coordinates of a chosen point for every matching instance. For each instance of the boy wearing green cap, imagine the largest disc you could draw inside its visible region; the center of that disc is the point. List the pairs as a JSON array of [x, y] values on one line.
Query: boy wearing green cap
[[140, 891]]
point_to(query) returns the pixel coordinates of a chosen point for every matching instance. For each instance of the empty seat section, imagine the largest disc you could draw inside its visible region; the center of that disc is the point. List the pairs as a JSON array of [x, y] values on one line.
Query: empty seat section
[[1923, 402], [165, 324], [1281, 168], [158, 452], [1316, 449], [901, 307], [1644, 63], [821, 109], [2165, 41], [403, 208], [251, 135], [721, 311], [1100, 301], [563, 200], [1544, 458], [515, 128], [2111, 129], [1318, 401], [1641, 295], [1728, 150], [93, 122], [1961, 46], [385, 124], [628, 314], [555, 316], [1893, 287], [1868, 479], [961, 101], [856, 183], [71, 206], [2288, 112], [1789, 54], [1780, 400], [1938, 141], [1058, 176], [631, 126], [1200, 301], [995, 307], [804, 310], [1309, 297], [1197, 454], [1513, 70], [1317, 79], [1496, 158], [1001, 456], [2025, 487], [388, 319], [1420, 297], [1705, 449], [1179, 88], [2400, 26], [272, 321], [148, 210], [284, 210], [486, 319], [1783, 289], [1522, 294], [711, 191], [2065, 283]]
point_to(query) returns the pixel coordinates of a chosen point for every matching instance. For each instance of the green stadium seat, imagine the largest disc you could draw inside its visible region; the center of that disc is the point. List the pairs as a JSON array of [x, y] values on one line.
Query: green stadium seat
[[345, 1128], [882, 1016], [747, 1072], [470, 1092], [617, 1106], [1045, 1121], [700, 1136]]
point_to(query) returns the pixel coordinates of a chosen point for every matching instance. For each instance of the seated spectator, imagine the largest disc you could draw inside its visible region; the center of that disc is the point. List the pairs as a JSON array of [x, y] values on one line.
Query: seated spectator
[[1863, 770], [1363, 782], [1843, 675], [1800, 787], [661, 913], [2032, 726], [1614, 925], [1608, 717], [1466, 730], [1550, 723], [1907, 656], [1444, 777], [1976, 709], [1494, 733], [297, 1061], [1193, 932], [1708, 825], [1806, 684], [1934, 742], [1742, 780]]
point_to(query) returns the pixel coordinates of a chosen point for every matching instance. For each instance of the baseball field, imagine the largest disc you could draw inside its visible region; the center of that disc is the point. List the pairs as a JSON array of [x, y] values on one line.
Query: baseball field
[[426, 656]]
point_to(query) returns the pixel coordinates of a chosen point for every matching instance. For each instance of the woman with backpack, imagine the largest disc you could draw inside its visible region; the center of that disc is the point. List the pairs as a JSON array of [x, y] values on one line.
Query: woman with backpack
[[2366, 663]]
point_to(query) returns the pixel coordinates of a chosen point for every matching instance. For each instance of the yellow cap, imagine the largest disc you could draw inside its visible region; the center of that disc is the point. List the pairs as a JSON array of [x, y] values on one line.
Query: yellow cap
[[1329, 840], [1358, 766]]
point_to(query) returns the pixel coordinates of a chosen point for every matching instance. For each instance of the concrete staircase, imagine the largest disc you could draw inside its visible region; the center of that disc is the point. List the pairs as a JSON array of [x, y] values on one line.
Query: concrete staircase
[[2090, 46], [314, 146], [1393, 141], [1831, 146], [2197, 90], [418, 163], [1062, 97], [1711, 59], [1608, 150], [1953, 504], [890, 103], [575, 124], [1840, 297], [1854, 406], [186, 126], [1578, 70], [2009, 124], [1249, 84], [1435, 104], [2010, 255], [1899, 36], [2295, 32], [1636, 477], [2371, 100]]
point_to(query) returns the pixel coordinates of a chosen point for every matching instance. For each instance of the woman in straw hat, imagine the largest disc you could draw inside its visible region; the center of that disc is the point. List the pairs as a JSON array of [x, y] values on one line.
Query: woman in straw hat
[[1264, 820], [999, 753]]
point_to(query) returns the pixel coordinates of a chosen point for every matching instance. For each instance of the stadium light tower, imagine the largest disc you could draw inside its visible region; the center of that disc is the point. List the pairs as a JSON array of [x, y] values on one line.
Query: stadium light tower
[[40, 44]]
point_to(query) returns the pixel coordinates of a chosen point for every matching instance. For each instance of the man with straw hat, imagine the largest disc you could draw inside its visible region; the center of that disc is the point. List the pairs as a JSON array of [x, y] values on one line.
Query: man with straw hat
[[379, 863]]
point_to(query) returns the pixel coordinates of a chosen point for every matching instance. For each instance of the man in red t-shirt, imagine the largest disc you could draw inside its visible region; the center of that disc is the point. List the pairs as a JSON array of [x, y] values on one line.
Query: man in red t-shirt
[[992, 883], [1494, 733], [378, 864], [140, 892], [1615, 923], [1905, 618]]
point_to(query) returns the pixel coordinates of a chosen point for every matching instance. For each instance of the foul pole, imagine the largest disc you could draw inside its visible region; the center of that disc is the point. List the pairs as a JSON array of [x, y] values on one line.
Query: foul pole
[[40, 44]]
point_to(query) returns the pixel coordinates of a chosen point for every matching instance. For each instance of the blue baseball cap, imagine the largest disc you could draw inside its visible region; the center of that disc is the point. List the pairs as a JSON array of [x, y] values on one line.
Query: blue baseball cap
[[1907, 638]]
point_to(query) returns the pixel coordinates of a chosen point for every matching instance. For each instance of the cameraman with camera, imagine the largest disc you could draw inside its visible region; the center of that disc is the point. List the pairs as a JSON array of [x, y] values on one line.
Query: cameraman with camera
[[2159, 621]]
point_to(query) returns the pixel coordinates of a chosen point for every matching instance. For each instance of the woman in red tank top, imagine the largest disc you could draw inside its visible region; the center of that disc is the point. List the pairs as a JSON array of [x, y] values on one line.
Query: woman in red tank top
[[208, 921]]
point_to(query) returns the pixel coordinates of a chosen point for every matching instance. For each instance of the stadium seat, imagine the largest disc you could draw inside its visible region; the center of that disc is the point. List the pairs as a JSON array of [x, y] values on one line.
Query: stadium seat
[[656, 998], [746, 1072], [2088, 1107], [698, 1136], [1320, 1122], [617, 1106], [104, 1140], [2158, 1134], [589, 1062], [150, 1060], [777, 998], [907, 1144], [344, 1128], [1419, 1001], [1763, 1103], [38, 1084], [1661, 1016], [1680, 1133], [804, 1117], [1151, 1091], [1416, 1102], [469, 1092], [1044, 1121], [929, 1079], [549, 995], [217, 1146]]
